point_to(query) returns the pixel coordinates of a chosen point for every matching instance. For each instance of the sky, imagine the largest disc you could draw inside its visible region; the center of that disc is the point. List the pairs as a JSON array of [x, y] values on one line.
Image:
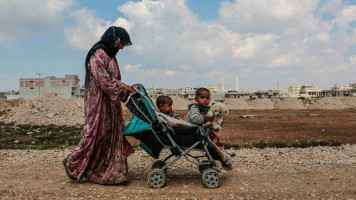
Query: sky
[[179, 43]]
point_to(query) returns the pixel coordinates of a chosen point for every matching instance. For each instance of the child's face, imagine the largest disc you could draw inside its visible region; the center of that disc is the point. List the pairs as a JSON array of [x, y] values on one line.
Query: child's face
[[203, 98], [166, 108]]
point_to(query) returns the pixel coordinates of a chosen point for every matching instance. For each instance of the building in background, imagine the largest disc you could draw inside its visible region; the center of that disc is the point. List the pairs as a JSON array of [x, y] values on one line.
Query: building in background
[[67, 87], [212, 89], [307, 89], [294, 90], [9, 95]]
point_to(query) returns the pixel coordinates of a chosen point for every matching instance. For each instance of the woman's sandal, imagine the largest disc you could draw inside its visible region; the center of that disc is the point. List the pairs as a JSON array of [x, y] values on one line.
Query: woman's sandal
[[66, 169]]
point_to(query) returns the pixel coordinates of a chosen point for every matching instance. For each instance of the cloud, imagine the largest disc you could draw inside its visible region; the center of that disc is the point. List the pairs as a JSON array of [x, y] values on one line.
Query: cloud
[[353, 60], [89, 28], [132, 68], [268, 16], [347, 15], [170, 73], [282, 61], [248, 47], [20, 18], [276, 39], [331, 7], [339, 68]]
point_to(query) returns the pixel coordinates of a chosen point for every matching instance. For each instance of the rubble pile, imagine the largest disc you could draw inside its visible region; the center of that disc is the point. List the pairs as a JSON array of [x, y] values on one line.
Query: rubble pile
[[261, 104], [51, 109], [179, 103], [237, 104], [290, 103], [327, 103], [4, 104]]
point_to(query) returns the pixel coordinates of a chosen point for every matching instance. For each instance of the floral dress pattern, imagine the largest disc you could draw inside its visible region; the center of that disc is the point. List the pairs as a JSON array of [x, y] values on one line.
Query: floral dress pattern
[[101, 155]]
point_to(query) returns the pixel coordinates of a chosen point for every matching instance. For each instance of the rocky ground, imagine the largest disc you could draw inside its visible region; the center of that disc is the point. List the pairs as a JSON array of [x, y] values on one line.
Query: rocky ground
[[272, 173]]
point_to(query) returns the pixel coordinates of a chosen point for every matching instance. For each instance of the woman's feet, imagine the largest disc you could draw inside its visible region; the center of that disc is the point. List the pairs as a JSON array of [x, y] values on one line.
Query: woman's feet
[[66, 169]]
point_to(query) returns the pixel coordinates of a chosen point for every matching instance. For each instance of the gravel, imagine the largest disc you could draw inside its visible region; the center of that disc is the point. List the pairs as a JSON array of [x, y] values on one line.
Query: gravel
[[277, 173]]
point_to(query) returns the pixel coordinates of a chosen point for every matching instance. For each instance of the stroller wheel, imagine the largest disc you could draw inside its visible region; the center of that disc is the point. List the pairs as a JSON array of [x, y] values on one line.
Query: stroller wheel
[[211, 178], [204, 167], [159, 164], [156, 178]]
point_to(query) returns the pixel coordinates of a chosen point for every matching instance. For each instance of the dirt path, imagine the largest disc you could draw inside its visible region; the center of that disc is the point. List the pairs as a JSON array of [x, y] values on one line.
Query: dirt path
[[310, 173]]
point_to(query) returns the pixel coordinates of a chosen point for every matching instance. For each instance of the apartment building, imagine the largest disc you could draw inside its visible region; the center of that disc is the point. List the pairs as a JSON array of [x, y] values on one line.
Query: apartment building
[[67, 87]]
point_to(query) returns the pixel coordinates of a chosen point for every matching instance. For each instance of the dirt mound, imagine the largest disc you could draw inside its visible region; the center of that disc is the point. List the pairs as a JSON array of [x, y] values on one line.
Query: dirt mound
[[290, 103], [261, 104], [327, 103], [236, 104], [180, 104], [49, 109], [350, 102], [4, 104]]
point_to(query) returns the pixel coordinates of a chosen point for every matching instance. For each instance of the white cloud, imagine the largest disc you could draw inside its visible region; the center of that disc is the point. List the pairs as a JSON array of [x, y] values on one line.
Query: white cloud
[[254, 37], [170, 73], [268, 16], [89, 28], [347, 15], [20, 18], [340, 68], [353, 60], [247, 48], [132, 68], [282, 61], [331, 7]]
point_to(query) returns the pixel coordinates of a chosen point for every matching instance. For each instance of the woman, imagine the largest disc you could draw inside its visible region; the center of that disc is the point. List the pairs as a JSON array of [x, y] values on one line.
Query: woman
[[101, 155]]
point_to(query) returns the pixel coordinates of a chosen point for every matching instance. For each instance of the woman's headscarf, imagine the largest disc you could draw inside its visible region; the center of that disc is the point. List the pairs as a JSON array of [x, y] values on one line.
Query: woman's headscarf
[[109, 42]]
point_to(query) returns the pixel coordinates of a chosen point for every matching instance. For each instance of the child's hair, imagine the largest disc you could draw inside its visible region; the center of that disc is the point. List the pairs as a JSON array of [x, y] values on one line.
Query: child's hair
[[200, 90], [163, 100]]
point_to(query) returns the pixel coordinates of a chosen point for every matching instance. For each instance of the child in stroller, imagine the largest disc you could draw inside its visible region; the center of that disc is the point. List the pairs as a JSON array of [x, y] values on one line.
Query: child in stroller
[[164, 104], [197, 115], [154, 135]]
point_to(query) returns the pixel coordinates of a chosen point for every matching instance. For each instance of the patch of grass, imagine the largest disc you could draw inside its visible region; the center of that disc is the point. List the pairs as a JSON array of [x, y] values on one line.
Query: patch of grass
[[337, 134], [297, 144], [38, 137]]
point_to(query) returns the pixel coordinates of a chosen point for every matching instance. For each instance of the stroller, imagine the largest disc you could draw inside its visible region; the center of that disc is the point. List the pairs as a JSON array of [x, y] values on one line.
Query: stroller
[[154, 135]]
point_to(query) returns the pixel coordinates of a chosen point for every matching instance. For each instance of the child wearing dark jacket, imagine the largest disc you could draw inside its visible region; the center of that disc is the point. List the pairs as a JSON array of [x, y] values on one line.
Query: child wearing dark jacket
[[197, 115]]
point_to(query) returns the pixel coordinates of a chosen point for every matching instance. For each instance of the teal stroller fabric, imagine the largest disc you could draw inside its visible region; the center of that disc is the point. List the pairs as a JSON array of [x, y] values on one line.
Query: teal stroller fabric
[[146, 127]]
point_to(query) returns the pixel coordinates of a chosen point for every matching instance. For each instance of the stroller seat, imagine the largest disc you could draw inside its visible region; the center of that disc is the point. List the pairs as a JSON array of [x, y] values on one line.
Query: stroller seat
[[154, 135]]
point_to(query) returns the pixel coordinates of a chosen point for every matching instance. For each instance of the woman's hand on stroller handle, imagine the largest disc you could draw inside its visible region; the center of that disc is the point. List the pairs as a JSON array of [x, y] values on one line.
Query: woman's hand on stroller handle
[[131, 88]]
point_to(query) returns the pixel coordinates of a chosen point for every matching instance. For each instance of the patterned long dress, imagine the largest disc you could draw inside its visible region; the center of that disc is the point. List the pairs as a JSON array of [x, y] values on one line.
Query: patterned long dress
[[101, 155]]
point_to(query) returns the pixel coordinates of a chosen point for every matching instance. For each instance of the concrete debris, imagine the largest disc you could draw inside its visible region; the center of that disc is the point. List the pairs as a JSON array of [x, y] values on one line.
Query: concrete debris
[[51, 109]]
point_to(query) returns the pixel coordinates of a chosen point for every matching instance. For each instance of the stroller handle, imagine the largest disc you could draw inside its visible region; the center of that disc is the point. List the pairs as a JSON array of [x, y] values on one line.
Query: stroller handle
[[153, 106], [136, 88]]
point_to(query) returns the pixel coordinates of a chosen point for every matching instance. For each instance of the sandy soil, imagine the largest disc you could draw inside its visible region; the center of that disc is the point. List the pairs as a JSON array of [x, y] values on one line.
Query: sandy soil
[[289, 126], [245, 127], [310, 173]]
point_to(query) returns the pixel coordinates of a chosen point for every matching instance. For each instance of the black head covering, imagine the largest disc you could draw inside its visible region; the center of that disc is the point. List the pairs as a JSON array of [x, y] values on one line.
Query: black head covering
[[109, 42]]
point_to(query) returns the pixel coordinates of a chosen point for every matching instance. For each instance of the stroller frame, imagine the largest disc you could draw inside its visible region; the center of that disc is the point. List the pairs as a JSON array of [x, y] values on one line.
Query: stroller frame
[[208, 168]]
